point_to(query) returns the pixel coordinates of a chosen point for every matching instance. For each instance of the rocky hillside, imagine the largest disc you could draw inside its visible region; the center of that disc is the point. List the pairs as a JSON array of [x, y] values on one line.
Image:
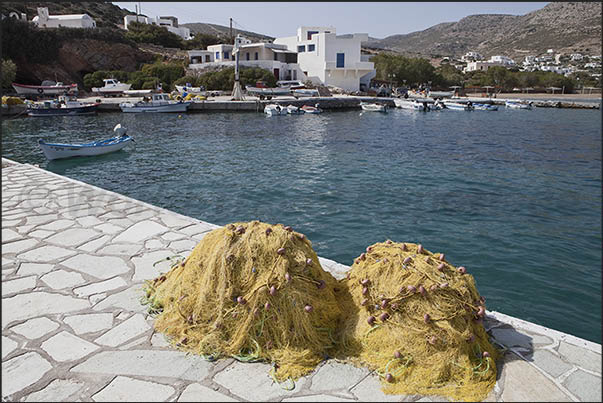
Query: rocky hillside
[[104, 13], [563, 26], [223, 32]]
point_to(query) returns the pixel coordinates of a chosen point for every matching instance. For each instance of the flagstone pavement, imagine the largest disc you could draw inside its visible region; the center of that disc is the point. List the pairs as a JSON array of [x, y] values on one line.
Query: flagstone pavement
[[74, 258]]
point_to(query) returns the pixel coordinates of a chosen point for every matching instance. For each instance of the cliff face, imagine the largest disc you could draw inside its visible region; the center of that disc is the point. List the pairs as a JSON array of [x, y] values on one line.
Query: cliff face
[[81, 56]]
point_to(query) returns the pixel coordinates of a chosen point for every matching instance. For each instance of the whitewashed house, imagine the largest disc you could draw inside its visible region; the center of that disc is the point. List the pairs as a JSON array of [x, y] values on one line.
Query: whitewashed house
[[471, 57], [576, 57], [44, 20], [328, 59], [269, 56], [168, 22], [502, 60]]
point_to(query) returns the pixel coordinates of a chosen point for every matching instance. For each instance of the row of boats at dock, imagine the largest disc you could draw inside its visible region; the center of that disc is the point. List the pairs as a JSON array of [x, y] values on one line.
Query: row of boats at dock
[[438, 105]]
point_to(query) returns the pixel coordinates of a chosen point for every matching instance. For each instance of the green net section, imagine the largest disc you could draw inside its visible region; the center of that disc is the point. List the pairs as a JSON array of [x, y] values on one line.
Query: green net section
[[417, 321], [252, 291]]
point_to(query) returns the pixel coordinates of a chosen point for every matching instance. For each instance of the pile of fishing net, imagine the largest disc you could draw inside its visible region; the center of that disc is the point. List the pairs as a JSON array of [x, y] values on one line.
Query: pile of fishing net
[[416, 320], [251, 291]]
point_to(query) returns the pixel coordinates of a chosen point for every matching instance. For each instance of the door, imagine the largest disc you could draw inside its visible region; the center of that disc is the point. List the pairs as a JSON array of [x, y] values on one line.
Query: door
[[277, 74]]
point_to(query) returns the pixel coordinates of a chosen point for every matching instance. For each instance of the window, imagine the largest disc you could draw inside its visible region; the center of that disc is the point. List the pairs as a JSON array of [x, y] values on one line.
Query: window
[[256, 56], [217, 55], [275, 56], [301, 48], [310, 33], [207, 58], [340, 60], [225, 55], [311, 48], [247, 56]]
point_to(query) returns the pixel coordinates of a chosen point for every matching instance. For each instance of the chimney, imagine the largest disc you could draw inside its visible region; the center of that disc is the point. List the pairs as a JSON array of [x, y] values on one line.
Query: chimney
[[43, 14]]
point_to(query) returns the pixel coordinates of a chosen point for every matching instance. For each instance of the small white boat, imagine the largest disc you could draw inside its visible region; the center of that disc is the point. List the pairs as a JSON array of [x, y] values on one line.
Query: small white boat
[[274, 109], [373, 107], [458, 106], [111, 87], [437, 106], [47, 88], [311, 109], [158, 103], [262, 91], [54, 151], [190, 89], [294, 110], [518, 104], [411, 104], [485, 107]]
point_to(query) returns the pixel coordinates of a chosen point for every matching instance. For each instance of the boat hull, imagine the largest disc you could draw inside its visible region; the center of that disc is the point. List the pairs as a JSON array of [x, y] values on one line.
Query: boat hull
[[176, 107], [458, 107], [73, 111], [516, 105], [24, 89], [54, 151], [374, 108]]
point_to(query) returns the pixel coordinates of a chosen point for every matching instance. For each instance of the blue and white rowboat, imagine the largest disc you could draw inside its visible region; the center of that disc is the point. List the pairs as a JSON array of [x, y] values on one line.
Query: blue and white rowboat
[[54, 151], [485, 107]]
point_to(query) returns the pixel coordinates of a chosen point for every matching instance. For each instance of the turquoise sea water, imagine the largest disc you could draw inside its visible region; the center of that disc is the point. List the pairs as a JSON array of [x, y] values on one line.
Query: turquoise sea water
[[513, 195]]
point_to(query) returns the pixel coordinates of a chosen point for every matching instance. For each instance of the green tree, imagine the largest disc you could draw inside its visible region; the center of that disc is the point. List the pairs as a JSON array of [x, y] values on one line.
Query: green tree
[[167, 73], [149, 33], [9, 72]]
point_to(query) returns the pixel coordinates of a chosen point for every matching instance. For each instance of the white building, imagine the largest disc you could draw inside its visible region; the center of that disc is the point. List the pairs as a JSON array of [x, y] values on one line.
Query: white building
[[269, 56], [502, 60], [481, 66], [328, 59], [576, 57], [44, 20], [471, 57], [168, 22], [529, 60]]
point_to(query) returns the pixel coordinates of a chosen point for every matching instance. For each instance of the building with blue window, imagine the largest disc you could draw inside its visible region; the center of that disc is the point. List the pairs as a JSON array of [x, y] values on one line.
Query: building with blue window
[[329, 59]]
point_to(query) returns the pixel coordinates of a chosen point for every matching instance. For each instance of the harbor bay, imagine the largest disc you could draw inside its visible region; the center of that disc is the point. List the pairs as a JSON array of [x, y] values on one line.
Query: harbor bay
[[512, 195]]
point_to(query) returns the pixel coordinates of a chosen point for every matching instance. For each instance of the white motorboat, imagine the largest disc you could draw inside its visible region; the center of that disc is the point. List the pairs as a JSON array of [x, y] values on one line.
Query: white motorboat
[[373, 107], [54, 151], [294, 110], [458, 106], [441, 94], [274, 109], [111, 87], [411, 104], [304, 92], [485, 107], [291, 84], [158, 103], [517, 104], [47, 88], [311, 109]]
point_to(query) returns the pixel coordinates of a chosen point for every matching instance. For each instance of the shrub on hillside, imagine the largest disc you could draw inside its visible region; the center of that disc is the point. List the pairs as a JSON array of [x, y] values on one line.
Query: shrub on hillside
[[148, 33], [9, 72]]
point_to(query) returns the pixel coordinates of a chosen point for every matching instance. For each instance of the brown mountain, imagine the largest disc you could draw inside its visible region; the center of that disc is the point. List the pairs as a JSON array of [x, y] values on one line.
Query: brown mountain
[[565, 27]]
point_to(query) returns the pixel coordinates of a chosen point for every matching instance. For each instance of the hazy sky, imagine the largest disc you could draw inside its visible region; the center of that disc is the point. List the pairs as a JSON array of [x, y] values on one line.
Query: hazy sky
[[282, 18]]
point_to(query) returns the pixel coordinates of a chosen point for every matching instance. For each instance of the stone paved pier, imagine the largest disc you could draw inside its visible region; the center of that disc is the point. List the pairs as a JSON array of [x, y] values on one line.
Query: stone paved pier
[[74, 258]]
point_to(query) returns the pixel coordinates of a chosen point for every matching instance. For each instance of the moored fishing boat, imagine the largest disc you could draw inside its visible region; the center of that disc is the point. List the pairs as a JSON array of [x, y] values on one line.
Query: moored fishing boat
[[458, 106], [311, 109], [412, 104], [517, 104], [65, 105], [294, 110], [54, 151], [158, 103], [46, 88], [373, 107], [485, 107], [274, 109]]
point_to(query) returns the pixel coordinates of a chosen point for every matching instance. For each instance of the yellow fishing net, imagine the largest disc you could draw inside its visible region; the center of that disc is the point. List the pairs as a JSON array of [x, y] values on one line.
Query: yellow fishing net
[[255, 291], [252, 291], [417, 321]]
